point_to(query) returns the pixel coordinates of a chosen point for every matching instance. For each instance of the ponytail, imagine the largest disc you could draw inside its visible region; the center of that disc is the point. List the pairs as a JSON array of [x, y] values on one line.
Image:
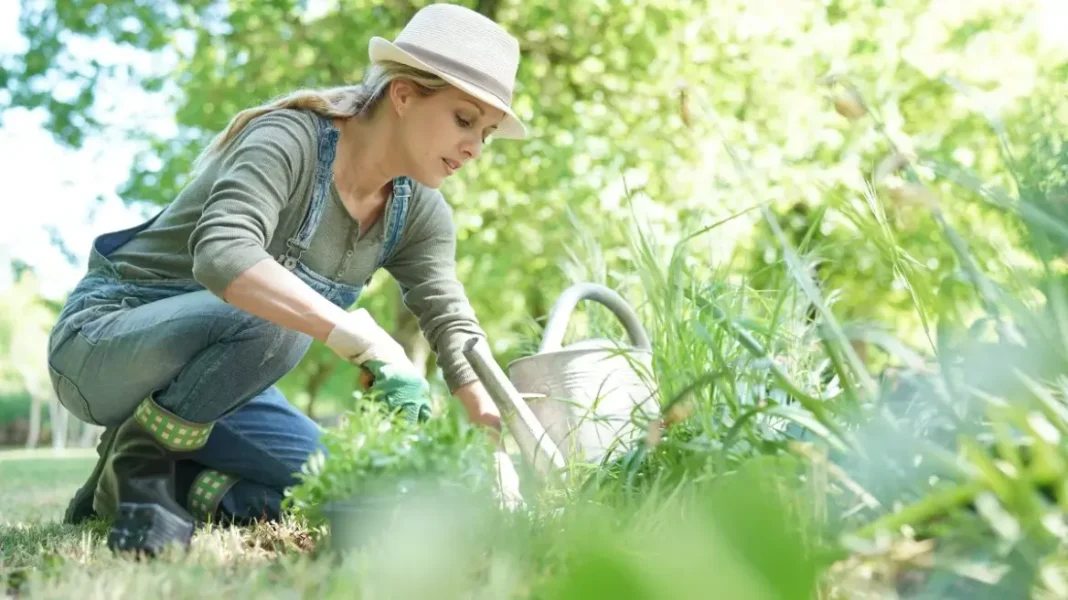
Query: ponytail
[[338, 102]]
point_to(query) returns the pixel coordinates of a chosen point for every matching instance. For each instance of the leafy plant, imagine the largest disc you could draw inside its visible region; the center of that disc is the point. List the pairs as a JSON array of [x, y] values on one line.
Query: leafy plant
[[374, 453]]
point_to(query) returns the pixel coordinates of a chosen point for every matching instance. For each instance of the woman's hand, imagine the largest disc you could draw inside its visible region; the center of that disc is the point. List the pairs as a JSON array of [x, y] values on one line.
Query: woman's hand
[[480, 407]]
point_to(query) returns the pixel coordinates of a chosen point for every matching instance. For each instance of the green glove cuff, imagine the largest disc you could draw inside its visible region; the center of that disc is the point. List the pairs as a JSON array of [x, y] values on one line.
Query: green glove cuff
[[401, 389]]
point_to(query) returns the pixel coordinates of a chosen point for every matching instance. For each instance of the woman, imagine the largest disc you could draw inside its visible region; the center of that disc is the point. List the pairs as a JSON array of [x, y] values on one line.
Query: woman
[[178, 332]]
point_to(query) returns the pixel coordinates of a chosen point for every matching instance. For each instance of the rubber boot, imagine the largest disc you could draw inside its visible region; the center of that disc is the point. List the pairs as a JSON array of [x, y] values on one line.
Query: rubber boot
[[137, 483], [205, 497], [205, 490], [80, 507]]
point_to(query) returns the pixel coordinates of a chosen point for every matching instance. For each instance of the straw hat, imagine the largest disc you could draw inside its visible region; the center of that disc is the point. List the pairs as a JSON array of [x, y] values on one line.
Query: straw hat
[[465, 48]]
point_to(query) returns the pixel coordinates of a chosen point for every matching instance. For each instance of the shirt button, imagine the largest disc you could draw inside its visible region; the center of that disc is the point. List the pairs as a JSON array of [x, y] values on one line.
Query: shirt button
[[349, 253]]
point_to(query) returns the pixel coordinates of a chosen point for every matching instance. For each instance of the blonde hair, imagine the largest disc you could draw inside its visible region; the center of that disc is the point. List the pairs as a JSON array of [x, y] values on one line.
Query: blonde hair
[[338, 102]]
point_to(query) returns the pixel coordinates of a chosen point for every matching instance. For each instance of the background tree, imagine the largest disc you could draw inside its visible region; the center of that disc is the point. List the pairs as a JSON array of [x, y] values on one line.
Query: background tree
[[25, 320], [679, 113]]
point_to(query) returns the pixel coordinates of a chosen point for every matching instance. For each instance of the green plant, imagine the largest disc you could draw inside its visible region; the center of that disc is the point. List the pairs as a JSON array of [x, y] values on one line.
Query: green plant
[[373, 452], [954, 455]]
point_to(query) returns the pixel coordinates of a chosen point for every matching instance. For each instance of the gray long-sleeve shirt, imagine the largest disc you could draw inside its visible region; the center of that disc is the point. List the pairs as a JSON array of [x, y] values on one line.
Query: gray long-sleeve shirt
[[247, 201]]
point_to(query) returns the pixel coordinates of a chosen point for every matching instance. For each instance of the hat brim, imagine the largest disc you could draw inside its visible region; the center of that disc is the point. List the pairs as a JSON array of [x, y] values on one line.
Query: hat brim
[[510, 127]]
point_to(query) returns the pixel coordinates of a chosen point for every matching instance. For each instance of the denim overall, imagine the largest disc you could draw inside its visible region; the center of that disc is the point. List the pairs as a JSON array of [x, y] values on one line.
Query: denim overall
[[118, 340]]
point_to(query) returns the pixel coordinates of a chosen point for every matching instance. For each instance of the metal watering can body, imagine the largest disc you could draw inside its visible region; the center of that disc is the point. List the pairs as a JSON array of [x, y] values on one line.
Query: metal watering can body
[[592, 397]]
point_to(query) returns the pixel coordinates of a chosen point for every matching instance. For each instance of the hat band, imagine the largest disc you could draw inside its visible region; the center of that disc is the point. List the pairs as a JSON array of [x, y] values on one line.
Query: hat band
[[459, 70]]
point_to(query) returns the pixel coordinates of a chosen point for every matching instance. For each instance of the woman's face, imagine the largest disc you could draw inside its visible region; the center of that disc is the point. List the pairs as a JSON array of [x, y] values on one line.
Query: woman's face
[[441, 132]]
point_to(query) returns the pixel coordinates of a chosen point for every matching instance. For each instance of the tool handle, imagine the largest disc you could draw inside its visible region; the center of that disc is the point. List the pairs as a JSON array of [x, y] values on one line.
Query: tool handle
[[534, 443]]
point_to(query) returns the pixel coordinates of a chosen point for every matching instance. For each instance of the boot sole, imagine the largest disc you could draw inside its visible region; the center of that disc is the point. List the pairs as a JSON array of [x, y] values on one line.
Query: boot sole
[[148, 529]]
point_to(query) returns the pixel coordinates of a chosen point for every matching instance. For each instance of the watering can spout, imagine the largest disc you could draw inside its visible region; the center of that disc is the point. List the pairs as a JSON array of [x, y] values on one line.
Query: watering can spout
[[533, 441]]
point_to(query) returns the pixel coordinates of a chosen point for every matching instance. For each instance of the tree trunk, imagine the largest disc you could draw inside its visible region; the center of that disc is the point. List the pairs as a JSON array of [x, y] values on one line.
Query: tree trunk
[[34, 434], [90, 435], [59, 417]]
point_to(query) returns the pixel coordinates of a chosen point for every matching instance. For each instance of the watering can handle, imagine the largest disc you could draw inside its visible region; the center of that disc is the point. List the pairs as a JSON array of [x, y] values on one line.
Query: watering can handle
[[565, 305]]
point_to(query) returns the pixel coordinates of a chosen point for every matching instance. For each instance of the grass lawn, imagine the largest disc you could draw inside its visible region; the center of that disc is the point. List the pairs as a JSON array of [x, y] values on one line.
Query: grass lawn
[[42, 558], [38, 483], [433, 556]]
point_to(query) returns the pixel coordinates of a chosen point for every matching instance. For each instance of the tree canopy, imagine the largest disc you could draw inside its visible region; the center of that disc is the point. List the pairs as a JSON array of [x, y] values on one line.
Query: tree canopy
[[672, 112]]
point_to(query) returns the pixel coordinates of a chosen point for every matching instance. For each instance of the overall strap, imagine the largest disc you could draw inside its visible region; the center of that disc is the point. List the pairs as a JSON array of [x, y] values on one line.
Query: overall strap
[[324, 170], [396, 217]]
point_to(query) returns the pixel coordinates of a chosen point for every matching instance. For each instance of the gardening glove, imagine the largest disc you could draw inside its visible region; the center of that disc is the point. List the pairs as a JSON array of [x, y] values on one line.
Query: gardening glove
[[386, 367], [359, 340], [507, 481], [402, 388]]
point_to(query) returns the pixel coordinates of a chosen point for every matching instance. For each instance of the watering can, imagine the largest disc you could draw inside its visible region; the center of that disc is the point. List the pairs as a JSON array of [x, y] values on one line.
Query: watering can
[[578, 403]]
